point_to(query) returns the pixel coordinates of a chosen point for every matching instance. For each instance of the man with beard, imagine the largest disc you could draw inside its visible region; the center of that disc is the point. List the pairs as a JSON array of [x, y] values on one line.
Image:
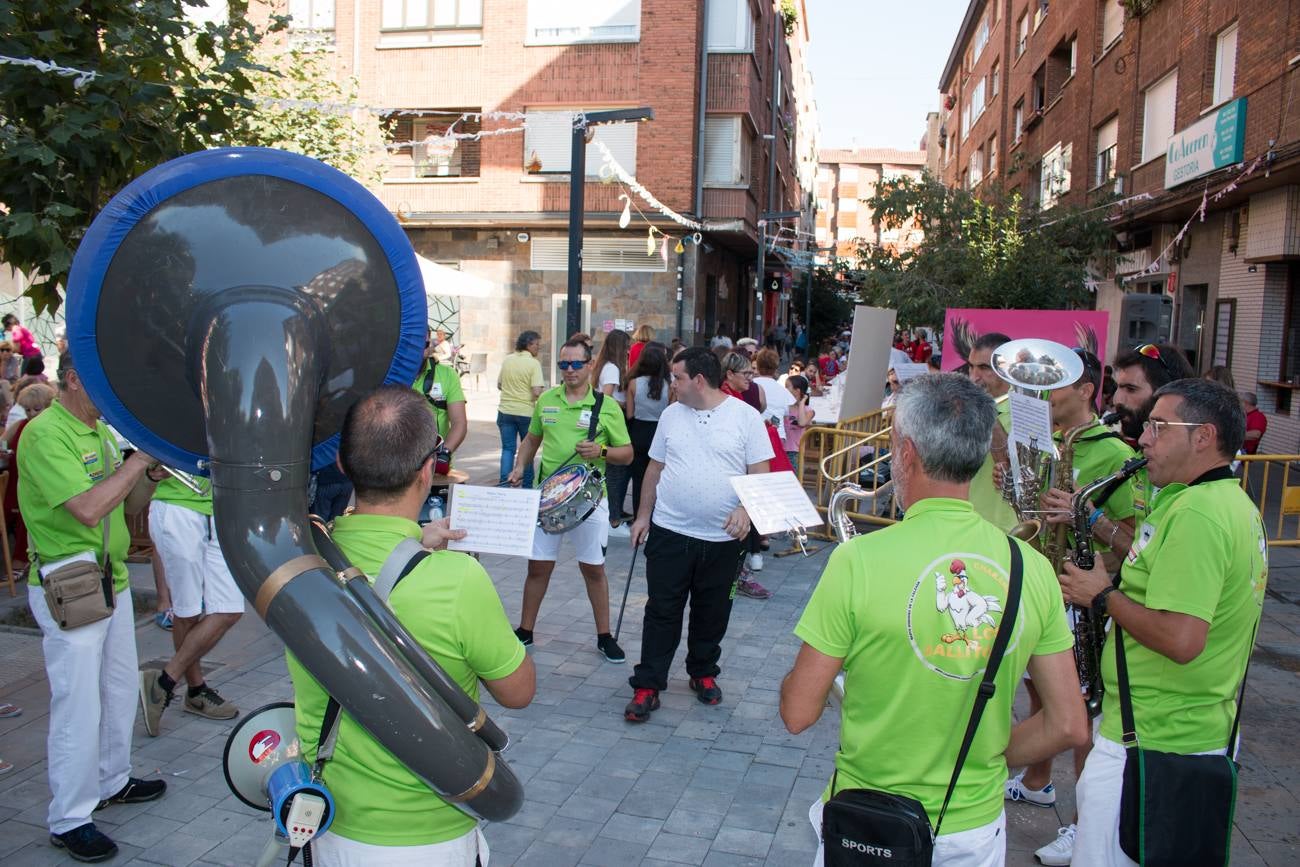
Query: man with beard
[[1139, 373]]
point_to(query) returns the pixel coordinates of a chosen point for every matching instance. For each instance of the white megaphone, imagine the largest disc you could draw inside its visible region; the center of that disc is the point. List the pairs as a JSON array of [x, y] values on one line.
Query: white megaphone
[[265, 769]]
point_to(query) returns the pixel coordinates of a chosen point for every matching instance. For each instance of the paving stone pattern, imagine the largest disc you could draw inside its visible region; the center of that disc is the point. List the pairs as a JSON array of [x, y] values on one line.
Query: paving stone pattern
[[723, 785]]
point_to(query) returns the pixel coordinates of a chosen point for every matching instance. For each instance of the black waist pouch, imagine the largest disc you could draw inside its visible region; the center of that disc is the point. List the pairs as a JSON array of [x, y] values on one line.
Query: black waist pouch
[[862, 826]]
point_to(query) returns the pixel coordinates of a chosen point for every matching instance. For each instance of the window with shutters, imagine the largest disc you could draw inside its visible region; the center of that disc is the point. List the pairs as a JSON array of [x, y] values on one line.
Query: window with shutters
[[599, 253], [1112, 23], [977, 101], [424, 147], [976, 172], [726, 152], [1158, 115], [848, 205], [993, 154], [1018, 122], [981, 38], [995, 75], [1107, 150], [430, 22], [311, 22], [1225, 65], [730, 27], [548, 143], [564, 22], [1022, 33]]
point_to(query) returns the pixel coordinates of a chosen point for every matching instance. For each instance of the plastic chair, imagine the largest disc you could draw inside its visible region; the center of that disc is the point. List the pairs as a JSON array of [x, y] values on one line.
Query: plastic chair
[[4, 537], [477, 366]]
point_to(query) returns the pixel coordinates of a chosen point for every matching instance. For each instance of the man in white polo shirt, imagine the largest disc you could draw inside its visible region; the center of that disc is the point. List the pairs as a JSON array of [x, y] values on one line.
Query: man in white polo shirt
[[694, 544]]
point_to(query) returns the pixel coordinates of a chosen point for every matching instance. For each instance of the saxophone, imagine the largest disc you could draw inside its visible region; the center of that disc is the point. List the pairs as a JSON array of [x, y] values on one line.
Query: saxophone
[[1054, 543], [837, 510], [1089, 630]]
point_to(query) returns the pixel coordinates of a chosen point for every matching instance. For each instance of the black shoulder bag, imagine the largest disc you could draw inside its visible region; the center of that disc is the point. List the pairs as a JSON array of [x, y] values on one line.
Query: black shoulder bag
[[864, 826], [1175, 809]]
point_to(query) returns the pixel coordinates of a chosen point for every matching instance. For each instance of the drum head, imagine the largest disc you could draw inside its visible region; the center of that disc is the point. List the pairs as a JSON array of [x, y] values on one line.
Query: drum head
[[563, 484]]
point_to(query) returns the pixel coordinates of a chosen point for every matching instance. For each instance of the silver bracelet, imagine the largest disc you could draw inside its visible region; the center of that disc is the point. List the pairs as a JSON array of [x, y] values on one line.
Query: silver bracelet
[[1114, 530]]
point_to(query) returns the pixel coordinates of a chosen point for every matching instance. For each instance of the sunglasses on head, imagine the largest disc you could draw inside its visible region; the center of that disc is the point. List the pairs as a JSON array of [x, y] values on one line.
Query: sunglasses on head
[[571, 365], [1150, 350]]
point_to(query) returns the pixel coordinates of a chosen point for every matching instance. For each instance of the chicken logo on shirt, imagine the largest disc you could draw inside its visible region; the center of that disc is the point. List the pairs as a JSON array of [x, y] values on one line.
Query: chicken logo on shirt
[[967, 608]]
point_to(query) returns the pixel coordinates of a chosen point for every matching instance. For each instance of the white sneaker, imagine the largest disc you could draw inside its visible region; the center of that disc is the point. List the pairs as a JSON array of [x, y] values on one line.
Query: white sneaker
[[1058, 852], [622, 531], [1017, 791], [755, 562]]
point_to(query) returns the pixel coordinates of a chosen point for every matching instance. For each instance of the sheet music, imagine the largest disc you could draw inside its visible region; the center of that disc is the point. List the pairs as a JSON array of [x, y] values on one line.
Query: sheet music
[[906, 372], [495, 520], [776, 502], [1031, 422]]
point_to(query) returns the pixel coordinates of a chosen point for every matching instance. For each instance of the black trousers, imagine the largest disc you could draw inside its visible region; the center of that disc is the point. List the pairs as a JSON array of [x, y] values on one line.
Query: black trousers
[[679, 568], [642, 434]]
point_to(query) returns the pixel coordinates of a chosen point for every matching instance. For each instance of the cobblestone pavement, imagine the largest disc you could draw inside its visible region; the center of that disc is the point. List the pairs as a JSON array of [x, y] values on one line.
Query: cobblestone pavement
[[696, 785]]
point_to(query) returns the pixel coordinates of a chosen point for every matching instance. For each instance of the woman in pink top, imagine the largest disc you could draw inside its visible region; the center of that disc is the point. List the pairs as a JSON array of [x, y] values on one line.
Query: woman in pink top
[[20, 337], [798, 416]]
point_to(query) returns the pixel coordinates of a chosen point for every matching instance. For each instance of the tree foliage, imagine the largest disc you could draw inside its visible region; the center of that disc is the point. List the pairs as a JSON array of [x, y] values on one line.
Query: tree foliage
[[832, 301], [163, 86], [989, 251]]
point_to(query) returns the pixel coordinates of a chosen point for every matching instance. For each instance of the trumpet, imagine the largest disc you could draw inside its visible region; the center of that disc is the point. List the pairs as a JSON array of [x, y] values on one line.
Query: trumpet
[[181, 476]]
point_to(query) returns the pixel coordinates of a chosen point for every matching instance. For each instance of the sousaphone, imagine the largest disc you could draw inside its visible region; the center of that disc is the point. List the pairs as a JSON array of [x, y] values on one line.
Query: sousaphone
[[224, 311]]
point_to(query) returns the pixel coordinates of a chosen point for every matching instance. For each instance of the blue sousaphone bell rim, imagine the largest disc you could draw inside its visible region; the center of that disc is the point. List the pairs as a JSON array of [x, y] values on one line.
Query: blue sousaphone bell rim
[[152, 189]]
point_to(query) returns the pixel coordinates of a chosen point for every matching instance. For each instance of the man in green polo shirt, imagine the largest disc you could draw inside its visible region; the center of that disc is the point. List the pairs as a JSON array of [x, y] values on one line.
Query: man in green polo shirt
[[73, 481], [383, 813], [1188, 603], [910, 613], [206, 601], [985, 495], [561, 422], [440, 385], [1097, 452], [1139, 373]]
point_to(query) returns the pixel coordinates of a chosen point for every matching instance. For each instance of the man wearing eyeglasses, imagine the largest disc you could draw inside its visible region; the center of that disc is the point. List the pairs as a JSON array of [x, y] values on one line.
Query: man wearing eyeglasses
[[1139, 373], [1097, 452], [561, 422], [1188, 603]]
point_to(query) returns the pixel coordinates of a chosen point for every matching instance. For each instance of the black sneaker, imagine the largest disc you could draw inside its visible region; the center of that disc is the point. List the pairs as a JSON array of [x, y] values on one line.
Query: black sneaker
[[708, 690], [609, 647], [85, 843], [525, 636], [643, 702], [136, 791]]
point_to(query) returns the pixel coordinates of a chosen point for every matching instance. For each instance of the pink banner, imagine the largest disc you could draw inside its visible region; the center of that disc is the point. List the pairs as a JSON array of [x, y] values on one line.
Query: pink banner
[[963, 326]]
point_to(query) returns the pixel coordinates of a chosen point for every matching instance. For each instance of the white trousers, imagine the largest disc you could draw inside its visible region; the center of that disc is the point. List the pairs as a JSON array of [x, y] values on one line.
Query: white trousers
[[93, 687], [1100, 786], [985, 846], [331, 850]]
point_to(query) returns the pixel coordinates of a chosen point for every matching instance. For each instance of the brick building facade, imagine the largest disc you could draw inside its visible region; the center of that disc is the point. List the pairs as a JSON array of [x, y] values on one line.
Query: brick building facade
[[846, 180], [1087, 102], [498, 207]]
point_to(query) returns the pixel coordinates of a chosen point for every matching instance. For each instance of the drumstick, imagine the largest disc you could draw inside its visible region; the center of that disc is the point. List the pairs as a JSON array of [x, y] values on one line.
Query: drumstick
[[626, 588]]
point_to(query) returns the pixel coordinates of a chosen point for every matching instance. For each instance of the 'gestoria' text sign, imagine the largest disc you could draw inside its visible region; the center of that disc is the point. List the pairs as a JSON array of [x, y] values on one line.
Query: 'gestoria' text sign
[[1213, 142]]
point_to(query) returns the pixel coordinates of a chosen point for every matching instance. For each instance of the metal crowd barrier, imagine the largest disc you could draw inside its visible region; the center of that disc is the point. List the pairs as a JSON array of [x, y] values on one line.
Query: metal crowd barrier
[[853, 451], [1273, 483]]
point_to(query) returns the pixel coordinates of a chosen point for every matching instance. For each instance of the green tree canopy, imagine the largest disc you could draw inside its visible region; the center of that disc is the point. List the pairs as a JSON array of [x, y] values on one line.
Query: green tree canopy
[[988, 251]]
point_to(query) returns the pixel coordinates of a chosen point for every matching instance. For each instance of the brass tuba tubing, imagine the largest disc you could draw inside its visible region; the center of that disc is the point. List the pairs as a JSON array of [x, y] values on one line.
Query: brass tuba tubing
[[261, 365], [457, 699]]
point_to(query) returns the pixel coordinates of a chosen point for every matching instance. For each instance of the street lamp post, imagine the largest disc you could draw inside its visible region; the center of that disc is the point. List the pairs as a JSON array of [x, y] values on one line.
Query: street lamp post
[[582, 124], [763, 219]]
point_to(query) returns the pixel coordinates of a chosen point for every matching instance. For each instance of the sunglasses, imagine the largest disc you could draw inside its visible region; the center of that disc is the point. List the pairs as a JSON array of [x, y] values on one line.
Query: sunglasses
[[571, 365], [1150, 350]]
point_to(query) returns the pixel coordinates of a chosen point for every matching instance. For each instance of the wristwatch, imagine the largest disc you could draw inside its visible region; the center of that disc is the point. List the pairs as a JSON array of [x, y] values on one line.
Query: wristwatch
[[603, 451], [1098, 605]]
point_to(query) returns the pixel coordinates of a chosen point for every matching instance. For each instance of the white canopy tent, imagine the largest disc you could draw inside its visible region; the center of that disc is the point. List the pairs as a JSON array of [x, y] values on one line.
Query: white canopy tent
[[443, 281]]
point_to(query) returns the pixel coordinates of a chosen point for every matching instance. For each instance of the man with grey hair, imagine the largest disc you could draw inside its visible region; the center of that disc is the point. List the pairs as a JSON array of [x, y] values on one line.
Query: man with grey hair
[[1256, 422], [1186, 609], [912, 667]]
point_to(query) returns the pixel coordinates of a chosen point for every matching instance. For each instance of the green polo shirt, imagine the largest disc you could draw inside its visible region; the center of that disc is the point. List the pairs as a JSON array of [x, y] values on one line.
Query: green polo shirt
[[445, 387], [913, 610], [1144, 495], [450, 606], [170, 490], [1202, 551], [61, 457], [984, 495], [1097, 454], [562, 425]]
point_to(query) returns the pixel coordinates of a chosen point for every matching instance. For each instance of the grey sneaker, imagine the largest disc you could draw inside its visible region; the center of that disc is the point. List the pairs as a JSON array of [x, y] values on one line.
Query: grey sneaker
[[210, 705], [153, 700]]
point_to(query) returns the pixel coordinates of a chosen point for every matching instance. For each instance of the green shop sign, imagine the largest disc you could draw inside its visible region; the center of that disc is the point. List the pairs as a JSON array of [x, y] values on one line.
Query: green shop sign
[[1214, 141]]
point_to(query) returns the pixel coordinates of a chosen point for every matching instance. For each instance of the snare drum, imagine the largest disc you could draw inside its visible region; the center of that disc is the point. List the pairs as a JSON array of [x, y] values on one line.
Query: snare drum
[[569, 496]]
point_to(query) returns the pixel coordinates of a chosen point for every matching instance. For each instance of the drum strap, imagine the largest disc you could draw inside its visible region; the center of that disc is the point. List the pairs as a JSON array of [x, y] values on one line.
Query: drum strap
[[595, 417], [408, 554]]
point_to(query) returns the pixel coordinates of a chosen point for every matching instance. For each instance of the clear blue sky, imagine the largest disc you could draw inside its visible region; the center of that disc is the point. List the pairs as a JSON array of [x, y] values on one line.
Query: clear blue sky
[[876, 67]]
